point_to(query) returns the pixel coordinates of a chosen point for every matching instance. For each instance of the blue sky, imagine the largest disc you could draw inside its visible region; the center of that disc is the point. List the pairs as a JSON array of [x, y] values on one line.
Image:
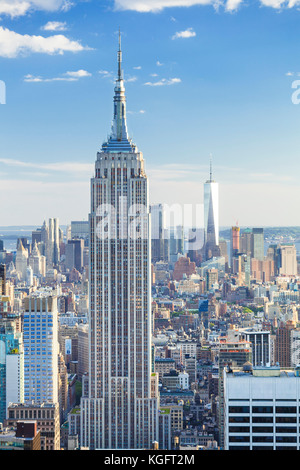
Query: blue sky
[[202, 78]]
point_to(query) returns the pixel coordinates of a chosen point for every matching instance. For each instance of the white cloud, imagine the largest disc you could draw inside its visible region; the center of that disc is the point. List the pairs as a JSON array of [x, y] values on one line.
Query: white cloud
[[280, 4], [188, 33], [233, 5], [159, 64], [154, 6], [137, 68], [32, 79], [141, 111], [13, 44], [105, 73], [16, 8], [67, 4], [79, 74], [131, 79], [67, 167], [145, 6], [164, 82], [68, 77], [273, 3], [54, 26]]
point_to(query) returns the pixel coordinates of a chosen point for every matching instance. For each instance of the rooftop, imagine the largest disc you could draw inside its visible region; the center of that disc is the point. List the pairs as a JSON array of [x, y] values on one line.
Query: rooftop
[[263, 371]]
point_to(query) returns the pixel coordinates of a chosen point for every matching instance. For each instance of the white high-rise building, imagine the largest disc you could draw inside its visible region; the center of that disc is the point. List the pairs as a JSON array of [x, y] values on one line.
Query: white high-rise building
[[37, 262], [288, 260], [22, 261], [29, 276], [211, 217], [41, 349], [119, 410], [261, 409], [260, 344]]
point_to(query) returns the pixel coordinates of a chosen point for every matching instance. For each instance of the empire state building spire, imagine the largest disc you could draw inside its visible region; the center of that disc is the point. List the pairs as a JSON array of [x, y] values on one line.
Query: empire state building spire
[[119, 140], [120, 74]]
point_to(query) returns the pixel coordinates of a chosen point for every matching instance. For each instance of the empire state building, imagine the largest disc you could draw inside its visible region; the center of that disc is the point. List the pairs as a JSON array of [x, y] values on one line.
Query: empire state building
[[119, 406]]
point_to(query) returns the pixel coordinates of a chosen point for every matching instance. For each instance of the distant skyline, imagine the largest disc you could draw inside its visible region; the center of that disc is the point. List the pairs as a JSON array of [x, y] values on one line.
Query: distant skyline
[[202, 77]]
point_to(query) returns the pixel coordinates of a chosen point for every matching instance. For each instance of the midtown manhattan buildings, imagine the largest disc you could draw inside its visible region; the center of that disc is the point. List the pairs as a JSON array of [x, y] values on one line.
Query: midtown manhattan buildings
[[120, 410]]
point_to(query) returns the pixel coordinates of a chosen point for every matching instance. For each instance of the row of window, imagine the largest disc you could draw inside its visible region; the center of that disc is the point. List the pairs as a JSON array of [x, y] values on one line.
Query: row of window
[[262, 447], [264, 439], [262, 419], [263, 429], [263, 409]]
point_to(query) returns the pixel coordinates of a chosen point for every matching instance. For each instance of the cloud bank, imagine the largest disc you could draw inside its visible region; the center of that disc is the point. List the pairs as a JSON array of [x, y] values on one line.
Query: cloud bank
[[154, 6], [13, 44], [15, 8]]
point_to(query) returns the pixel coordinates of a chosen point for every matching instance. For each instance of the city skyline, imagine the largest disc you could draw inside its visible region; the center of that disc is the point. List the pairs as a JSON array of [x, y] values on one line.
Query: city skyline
[[230, 97], [119, 334], [149, 281]]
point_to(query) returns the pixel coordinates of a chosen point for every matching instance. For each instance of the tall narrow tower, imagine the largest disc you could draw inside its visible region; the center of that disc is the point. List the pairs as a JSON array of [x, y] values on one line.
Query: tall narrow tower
[[119, 409], [211, 217]]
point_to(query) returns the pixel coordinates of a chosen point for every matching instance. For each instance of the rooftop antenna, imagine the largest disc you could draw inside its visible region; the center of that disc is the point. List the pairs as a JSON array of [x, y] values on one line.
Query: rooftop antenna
[[210, 167], [120, 58]]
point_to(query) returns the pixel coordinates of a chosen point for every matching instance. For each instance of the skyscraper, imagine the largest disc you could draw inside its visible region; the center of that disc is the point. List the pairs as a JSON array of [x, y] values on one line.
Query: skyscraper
[[11, 366], [258, 243], [246, 242], [2, 279], [41, 349], [80, 229], [74, 254], [211, 217], [261, 405], [232, 351], [176, 243], [119, 410], [159, 243], [37, 262], [21, 260], [53, 242], [235, 243], [283, 343], [260, 345], [287, 258]]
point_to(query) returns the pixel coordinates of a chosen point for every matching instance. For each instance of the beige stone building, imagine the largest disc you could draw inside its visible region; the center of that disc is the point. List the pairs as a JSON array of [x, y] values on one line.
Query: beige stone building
[[47, 417]]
